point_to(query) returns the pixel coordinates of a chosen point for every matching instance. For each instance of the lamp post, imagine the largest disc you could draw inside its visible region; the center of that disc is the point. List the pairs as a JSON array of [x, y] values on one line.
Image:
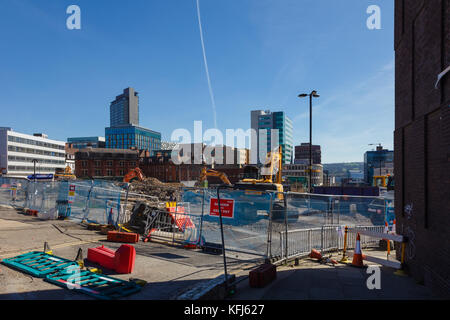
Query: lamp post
[[311, 95], [34, 175]]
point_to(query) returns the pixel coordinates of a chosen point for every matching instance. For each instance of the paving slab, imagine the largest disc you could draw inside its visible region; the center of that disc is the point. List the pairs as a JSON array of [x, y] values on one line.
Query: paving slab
[[168, 270]]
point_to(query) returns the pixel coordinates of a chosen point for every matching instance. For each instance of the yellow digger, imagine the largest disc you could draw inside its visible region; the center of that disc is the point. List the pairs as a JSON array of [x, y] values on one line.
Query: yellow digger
[[272, 164]]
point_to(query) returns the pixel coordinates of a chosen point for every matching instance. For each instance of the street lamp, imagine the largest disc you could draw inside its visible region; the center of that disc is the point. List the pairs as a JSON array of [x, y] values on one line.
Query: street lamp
[[311, 95], [34, 161]]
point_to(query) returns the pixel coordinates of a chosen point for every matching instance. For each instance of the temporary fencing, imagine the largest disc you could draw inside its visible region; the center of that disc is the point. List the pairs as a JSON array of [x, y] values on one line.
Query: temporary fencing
[[255, 224]]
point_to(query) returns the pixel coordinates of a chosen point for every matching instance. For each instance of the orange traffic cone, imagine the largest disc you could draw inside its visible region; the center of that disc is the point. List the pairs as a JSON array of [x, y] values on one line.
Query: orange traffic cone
[[315, 254], [393, 228], [357, 255]]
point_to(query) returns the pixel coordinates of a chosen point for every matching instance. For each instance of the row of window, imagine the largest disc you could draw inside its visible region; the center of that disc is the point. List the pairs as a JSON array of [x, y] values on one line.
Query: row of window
[[30, 169], [99, 173], [35, 151], [25, 159], [35, 143], [98, 163]]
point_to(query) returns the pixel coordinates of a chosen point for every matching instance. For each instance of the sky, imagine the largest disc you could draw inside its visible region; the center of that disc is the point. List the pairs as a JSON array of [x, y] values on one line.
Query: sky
[[260, 55]]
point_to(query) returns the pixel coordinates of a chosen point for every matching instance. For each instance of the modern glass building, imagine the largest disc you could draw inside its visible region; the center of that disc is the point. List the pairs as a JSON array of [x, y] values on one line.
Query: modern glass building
[[277, 120], [83, 142], [124, 110], [375, 161], [126, 137], [124, 131]]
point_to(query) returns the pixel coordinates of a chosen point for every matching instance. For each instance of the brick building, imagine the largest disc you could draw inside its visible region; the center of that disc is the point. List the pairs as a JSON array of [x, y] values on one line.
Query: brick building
[[422, 138], [103, 162]]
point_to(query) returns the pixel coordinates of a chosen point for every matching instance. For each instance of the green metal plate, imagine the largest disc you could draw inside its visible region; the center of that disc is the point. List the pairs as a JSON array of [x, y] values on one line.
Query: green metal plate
[[96, 285], [38, 263]]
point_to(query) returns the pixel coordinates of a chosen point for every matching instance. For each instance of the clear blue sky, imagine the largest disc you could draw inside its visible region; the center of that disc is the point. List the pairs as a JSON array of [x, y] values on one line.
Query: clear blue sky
[[261, 54]]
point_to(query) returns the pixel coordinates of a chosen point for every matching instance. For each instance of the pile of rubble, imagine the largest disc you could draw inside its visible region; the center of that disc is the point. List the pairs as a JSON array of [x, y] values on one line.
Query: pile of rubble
[[155, 195], [155, 188]]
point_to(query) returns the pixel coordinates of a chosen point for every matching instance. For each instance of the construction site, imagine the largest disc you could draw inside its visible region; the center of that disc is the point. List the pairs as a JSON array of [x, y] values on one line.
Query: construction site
[[145, 239]]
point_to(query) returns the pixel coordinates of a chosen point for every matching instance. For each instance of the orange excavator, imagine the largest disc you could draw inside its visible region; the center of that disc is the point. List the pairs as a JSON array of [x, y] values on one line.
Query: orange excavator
[[213, 173], [134, 173]]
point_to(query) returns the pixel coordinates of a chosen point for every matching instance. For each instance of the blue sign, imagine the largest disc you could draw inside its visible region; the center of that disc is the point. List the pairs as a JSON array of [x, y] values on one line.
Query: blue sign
[[41, 177]]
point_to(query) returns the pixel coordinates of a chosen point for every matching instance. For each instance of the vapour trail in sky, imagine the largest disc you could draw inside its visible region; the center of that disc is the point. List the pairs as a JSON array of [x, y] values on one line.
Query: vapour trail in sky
[[211, 94]]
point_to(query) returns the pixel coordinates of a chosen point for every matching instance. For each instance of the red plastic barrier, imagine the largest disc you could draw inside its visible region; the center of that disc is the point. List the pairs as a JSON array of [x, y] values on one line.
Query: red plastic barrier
[[103, 256], [121, 260], [125, 257]]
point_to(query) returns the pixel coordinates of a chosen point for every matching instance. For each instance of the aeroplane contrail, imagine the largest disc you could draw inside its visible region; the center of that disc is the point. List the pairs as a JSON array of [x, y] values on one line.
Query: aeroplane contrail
[[211, 94]]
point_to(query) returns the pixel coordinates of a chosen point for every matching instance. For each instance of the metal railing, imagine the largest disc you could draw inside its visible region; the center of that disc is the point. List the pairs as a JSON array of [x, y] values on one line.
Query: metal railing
[[300, 242]]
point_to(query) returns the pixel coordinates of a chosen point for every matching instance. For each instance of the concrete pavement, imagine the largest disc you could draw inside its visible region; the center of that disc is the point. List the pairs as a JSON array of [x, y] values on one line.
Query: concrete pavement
[[171, 271], [311, 280]]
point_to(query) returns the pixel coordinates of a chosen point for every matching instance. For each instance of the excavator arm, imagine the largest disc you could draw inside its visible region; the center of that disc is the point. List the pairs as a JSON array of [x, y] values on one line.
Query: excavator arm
[[134, 173], [213, 173]]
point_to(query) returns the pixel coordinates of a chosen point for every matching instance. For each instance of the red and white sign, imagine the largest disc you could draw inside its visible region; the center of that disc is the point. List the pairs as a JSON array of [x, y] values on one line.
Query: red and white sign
[[226, 207], [71, 193]]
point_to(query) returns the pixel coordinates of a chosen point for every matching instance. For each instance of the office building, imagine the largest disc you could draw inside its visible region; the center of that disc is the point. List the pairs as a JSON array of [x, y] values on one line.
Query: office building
[[300, 173], [302, 153], [19, 152], [124, 110], [422, 140], [375, 160], [267, 125], [124, 131], [83, 142], [126, 137]]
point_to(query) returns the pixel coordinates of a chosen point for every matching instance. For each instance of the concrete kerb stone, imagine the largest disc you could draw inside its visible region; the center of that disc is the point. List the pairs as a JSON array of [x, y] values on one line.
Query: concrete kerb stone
[[210, 290]]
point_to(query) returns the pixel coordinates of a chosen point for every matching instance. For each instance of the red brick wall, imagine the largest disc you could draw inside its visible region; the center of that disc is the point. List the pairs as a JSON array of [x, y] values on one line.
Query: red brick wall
[[422, 138]]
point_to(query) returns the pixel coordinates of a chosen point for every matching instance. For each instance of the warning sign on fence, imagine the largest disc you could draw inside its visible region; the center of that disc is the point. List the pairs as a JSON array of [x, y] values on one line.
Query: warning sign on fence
[[71, 193], [226, 206]]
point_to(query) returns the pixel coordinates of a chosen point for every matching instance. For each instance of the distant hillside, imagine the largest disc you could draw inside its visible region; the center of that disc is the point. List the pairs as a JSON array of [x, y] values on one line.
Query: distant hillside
[[340, 169]]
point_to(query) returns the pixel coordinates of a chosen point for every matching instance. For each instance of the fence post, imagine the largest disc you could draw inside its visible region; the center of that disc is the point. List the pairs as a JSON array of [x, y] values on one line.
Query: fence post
[[286, 224], [201, 218], [321, 240], [88, 199], [269, 231], [309, 240]]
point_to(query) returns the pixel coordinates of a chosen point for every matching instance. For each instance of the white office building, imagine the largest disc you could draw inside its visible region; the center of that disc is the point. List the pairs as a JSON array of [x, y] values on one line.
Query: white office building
[[18, 152]]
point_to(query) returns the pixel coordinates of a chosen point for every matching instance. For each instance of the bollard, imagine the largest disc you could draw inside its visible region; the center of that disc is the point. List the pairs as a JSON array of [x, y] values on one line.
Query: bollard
[[402, 272], [344, 257]]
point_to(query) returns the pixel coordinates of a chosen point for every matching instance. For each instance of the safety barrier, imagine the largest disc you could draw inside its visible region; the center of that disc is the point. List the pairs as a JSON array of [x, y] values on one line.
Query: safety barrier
[[386, 236], [300, 242]]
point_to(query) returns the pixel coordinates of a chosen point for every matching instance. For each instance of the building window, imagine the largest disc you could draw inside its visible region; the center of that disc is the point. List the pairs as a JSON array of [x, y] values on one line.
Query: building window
[[109, 172], [98, 172], [84, 164], [84, 173], [109, 163], [98, 163], [121, 164]]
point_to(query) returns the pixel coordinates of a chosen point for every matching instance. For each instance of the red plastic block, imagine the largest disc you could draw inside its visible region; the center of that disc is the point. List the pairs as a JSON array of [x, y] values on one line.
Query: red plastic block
[[103, 256], [262, 275], [121, 260], [127, 237], [124, 261]]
